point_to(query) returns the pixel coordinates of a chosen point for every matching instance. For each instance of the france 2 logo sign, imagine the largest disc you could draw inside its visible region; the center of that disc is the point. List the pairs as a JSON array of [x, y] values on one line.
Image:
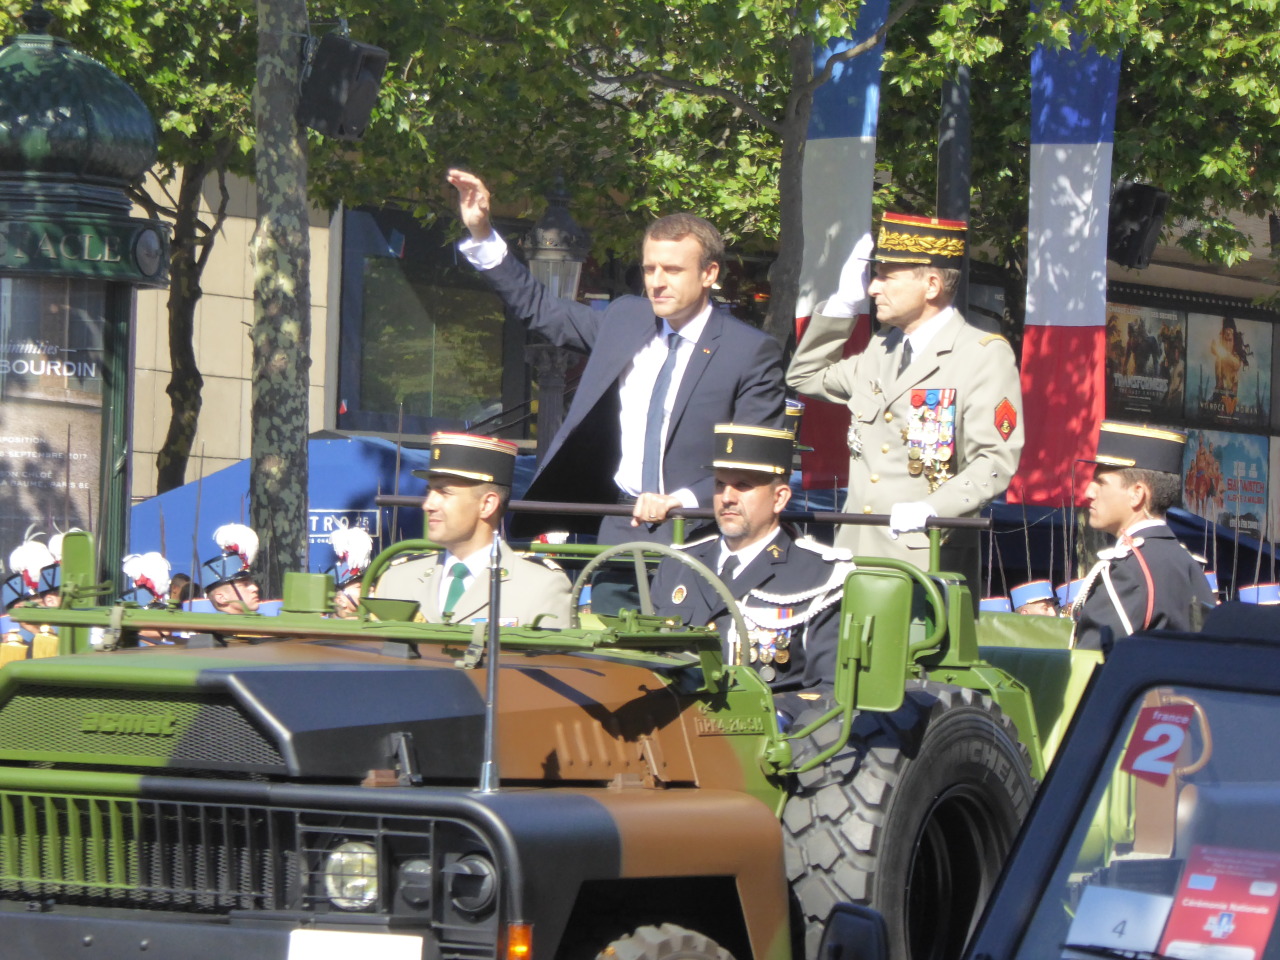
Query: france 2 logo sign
[[1158, 736]]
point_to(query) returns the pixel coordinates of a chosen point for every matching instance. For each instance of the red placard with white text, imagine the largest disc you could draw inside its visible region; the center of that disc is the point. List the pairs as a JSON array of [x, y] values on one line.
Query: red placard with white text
[[1157, 737], [1225, 906]]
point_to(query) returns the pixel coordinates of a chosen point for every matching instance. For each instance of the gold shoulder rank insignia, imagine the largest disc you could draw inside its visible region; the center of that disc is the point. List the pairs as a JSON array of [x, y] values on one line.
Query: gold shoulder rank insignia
[[992, 338]]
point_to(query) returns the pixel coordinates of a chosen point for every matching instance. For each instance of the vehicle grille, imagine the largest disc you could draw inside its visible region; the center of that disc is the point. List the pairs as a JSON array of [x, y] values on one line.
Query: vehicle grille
[[140, 853], [209, 731]]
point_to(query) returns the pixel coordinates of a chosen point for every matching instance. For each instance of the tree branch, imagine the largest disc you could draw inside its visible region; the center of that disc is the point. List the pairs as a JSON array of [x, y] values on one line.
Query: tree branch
[[687, 86], [828, 69]]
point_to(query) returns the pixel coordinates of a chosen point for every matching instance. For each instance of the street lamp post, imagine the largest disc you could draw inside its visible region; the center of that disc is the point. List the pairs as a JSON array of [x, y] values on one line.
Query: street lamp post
[[556, 248]]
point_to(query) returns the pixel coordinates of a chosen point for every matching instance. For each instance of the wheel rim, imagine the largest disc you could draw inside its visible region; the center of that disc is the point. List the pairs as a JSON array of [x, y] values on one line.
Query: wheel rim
[[954, 863]]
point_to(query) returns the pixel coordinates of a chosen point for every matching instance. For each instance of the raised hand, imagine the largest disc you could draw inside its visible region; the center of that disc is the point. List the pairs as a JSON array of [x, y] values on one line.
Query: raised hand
[[473, 203]]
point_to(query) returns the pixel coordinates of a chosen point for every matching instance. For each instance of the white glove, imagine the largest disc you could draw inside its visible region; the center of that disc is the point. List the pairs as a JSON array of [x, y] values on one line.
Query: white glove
[[906, 517], [850, 298]]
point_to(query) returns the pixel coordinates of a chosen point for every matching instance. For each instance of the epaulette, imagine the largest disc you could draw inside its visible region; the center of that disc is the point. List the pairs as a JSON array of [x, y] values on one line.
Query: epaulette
[[826, 551], [992, 338], [543, 560], [405, 558], [694, 543]]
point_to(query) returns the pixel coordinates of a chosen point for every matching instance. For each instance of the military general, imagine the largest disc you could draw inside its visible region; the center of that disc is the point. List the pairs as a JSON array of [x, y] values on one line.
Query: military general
[[936, 404]]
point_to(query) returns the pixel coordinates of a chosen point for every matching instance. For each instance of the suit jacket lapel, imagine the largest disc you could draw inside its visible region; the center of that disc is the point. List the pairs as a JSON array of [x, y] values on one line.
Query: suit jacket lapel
[[760, 570], [430, 604], [703, 351]]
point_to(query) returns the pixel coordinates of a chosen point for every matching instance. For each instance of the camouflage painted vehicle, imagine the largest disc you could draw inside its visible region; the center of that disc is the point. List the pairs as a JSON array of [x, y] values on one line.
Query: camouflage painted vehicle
[[302, 787]]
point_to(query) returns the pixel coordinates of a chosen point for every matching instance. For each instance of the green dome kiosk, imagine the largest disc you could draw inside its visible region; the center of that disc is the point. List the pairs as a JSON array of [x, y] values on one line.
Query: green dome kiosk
[[73, 138]]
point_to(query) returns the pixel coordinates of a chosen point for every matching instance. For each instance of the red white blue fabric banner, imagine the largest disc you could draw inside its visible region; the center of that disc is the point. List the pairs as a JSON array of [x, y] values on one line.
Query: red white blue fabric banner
[[839, 171], [1073, 103]]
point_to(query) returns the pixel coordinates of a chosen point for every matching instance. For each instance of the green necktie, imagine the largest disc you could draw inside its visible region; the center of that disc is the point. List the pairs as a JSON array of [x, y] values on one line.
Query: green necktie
[[456, 586]]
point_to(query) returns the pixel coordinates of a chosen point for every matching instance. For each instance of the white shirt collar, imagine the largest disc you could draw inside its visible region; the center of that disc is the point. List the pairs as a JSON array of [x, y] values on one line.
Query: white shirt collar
[[922, 337], [692, 330], [746, 554]]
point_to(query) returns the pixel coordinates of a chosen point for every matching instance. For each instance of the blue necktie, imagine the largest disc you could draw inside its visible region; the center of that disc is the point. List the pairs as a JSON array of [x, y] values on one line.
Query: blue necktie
[[457, 586], [650, 469]]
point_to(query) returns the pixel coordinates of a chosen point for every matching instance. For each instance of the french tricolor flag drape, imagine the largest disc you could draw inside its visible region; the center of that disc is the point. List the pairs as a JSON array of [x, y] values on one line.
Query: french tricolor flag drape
[[839, 171], [1073, 103]]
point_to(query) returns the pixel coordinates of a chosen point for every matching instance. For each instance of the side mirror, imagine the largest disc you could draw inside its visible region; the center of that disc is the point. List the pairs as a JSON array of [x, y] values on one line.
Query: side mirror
[[854, 932]]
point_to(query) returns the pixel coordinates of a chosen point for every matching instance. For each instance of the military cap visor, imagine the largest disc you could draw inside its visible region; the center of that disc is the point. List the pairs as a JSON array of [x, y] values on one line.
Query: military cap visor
[[224, 568], [469, 457], [921, 241], [1123, 445], [759, 449], [1031, 592]]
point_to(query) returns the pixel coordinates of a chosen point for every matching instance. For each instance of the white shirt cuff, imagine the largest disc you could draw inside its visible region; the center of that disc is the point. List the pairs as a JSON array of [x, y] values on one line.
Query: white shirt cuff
[[484, 254], [685, 496]]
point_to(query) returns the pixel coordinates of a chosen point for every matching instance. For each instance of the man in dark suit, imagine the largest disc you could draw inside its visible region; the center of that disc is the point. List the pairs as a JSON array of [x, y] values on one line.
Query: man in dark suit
[[1148, 579], [660, 373], [788, 589]]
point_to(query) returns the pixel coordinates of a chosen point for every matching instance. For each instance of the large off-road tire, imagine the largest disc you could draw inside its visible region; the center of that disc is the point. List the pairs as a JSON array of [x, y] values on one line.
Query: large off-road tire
[[914, 817], [667, 942]]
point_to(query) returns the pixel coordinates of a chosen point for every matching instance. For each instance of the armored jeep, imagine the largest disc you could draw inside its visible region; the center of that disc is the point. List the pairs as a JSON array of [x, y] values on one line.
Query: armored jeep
[[302, 787]]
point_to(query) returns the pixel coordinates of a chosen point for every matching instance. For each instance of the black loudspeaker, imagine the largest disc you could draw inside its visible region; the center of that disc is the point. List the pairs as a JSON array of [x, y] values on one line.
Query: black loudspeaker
[[341, 87], [1137, 216]]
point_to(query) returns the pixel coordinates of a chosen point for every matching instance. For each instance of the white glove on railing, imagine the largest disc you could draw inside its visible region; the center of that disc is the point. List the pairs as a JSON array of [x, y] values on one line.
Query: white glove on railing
[[851, 297], [908, 517]]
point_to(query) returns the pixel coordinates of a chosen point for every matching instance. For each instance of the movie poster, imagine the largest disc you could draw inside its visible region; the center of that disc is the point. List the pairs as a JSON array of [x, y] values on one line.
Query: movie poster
[[51, 378], [1225, 479], [1146, 363], [1228, 372]]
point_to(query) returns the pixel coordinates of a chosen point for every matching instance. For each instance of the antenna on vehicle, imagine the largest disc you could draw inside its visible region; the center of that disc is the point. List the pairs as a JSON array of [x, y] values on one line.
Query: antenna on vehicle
[[489, 769]]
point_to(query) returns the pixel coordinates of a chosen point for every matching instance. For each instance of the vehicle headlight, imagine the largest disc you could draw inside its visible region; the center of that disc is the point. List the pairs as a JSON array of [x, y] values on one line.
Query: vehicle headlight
[[351, 875]]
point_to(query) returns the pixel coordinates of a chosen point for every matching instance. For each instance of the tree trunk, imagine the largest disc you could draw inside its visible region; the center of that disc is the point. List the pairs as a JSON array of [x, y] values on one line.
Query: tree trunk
[[784, 275], [185, 382], [282, 309]]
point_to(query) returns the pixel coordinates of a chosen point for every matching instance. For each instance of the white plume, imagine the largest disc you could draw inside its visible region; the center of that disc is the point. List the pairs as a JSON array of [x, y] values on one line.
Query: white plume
[[30, 558], [55, 543], [149, 570], [237, 538], [353, 545]]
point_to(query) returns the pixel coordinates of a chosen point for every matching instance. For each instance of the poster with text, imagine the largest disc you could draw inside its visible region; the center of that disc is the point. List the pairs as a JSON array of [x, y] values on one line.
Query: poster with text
[[1228, 372], [1225, 479], [1146, 363], [51, 385]]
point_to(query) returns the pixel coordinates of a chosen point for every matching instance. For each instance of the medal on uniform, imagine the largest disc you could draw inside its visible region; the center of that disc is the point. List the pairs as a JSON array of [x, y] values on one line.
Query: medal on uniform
[[679, 593], [782, 655], [854, 441], [767, 673]]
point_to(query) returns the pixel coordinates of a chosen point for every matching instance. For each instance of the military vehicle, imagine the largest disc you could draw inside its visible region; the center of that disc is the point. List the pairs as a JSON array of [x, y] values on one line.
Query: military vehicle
[[304, 787], [1157, 831]]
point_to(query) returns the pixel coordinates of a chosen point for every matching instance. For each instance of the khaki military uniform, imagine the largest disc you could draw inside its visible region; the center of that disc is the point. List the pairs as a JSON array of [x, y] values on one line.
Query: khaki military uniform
[[529, 588], [948, 431]]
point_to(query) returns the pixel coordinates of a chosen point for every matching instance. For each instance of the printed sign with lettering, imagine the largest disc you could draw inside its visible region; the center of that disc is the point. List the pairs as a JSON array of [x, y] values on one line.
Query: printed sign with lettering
[[1225, 906], [1157, 737]]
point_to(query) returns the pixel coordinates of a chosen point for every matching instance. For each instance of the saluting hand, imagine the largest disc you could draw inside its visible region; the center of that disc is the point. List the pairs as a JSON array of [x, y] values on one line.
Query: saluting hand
[[473, 203], [850, 299]]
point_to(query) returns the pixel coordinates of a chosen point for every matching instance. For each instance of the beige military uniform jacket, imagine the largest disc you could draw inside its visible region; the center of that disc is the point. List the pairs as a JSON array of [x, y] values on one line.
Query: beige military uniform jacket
[[947, 432], [529, 588]]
